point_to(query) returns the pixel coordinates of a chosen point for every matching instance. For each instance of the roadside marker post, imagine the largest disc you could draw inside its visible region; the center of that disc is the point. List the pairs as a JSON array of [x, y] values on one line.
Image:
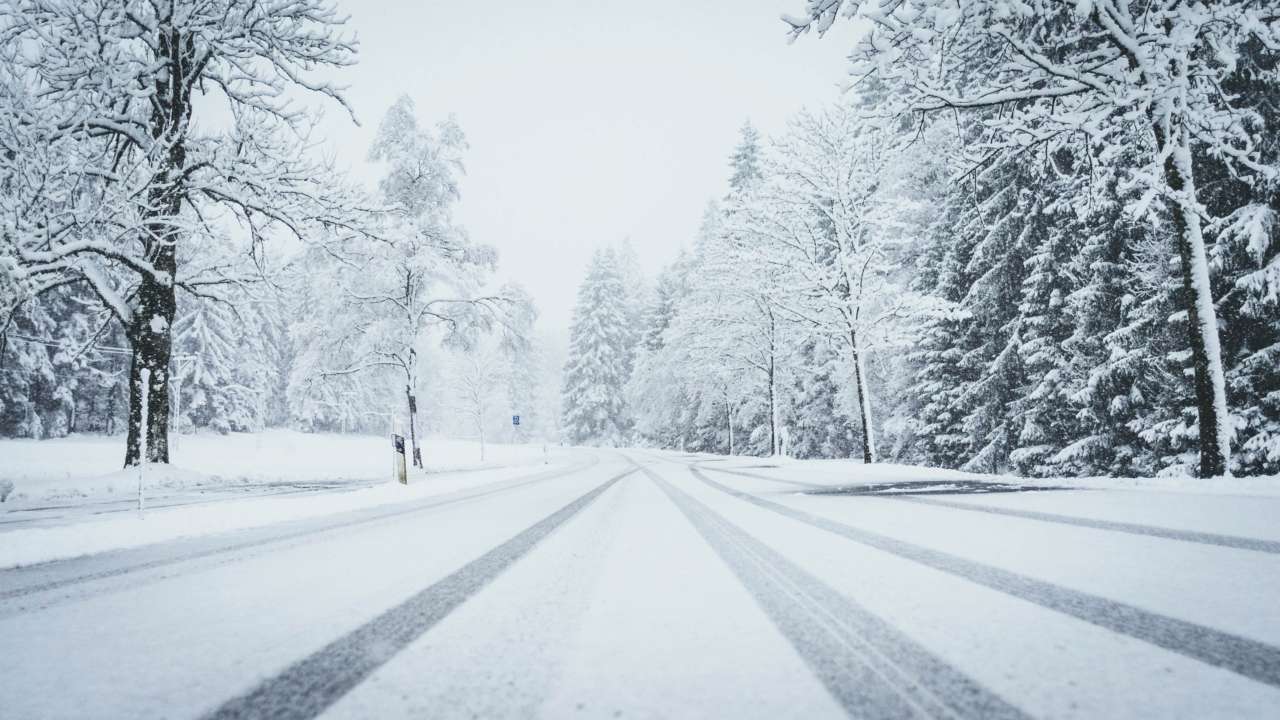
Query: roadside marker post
[[399, 467], [402, 471]]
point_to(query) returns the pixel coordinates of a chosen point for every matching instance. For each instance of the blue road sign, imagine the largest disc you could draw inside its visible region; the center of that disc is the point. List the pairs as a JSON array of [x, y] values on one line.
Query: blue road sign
[[515, 419]]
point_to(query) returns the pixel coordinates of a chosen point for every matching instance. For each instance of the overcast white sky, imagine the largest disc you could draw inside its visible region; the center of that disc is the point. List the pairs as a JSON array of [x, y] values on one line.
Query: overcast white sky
[[588, 121]]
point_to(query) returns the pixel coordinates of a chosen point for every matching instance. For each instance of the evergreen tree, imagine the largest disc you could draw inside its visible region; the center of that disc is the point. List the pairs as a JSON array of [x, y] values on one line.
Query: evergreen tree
[[939, 377], [635, 300], [1111, 374], [820, 425], [594, 408], [1047, 422], [745, 160], [1245, 259]]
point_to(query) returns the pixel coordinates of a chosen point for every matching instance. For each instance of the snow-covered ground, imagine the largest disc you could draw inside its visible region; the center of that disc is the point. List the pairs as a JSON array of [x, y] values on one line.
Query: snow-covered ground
[[675, 589], [848, 472], [67, 504], [87, 465]]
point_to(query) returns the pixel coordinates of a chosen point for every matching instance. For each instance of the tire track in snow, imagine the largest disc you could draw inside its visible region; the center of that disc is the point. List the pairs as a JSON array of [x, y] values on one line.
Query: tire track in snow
[[1204, 538], [309, 686], [870, 668], [124, 506], [123, 562], [1243, 656], [1230, 541]]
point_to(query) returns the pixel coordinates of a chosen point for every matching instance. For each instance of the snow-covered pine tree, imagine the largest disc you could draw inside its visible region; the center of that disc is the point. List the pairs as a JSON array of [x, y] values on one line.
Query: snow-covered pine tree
[[1110, 376], [1149, 356], [745, 160], [669, 290], [61, 365], [929, 207], [1245, 259], [820, 423], [656, 392], [276, 359], [1014, 225], [594, 409], [940, 376], [1047, 421], [636, 287], [204, 339], [1050, 73], [224, 365]]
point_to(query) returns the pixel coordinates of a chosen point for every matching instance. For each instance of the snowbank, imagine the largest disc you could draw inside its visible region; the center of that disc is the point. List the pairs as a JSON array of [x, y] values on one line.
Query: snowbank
[[84, 466], [852, 472]]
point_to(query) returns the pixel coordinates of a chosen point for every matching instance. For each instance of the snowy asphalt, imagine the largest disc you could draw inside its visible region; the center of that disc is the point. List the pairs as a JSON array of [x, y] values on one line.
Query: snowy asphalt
[[1249, 658], [641, 584]]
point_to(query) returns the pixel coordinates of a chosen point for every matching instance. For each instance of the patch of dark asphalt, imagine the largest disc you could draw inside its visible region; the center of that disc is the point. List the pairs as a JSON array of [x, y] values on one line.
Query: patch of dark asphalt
[[891, 489], [1243, 656], [932, 487], [869, 667], [309, 686]]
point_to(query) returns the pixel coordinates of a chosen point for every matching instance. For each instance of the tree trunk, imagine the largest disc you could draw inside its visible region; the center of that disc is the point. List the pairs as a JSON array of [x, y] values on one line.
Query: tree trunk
[[411, 378], [728, 411], [149, 334], [1202, 320], [864, 403], [773, 410], [150, 327], [413, 430]]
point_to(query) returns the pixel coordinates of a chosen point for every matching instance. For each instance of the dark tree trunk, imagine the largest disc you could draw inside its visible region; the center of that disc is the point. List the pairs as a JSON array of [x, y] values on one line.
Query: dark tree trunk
[[150, 328], [773, 411], [411, 378], [413, 432], [152, 345], [864, 404], [728, 412]]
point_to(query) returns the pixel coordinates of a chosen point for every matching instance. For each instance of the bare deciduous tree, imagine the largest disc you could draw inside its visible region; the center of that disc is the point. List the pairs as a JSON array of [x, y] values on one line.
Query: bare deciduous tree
[[109, 178]]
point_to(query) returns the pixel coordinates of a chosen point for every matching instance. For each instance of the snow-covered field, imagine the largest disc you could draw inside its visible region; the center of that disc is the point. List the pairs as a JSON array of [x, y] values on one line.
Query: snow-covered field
[[83, 466]]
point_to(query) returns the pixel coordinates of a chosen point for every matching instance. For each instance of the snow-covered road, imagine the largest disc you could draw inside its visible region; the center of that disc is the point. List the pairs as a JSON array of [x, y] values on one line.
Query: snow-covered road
[[641, 584]]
